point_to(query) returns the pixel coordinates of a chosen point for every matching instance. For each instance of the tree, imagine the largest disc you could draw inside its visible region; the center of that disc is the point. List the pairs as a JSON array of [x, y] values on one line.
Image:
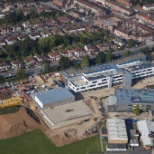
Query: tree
[[127, 53], [136, 111], [100, 58], [109, 56], [47, 66], [1, 78], [131, 43], [21, 74], [85, 61], [64, 62]]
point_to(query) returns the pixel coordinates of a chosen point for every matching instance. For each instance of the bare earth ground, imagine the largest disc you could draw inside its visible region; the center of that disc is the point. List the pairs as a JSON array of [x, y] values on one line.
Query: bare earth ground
[[16, 124]]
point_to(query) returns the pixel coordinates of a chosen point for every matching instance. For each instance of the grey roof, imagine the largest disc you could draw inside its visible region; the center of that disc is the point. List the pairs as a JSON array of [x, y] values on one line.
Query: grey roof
[[134, 95], [116, 146], [53, 95], [141, 66]]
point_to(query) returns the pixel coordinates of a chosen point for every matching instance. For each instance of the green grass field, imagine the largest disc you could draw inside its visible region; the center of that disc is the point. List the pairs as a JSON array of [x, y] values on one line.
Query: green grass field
[[37, 143], [10, 109]]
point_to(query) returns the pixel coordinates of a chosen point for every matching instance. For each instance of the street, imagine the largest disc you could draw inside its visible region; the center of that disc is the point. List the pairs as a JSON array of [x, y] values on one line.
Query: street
[[134, 49]]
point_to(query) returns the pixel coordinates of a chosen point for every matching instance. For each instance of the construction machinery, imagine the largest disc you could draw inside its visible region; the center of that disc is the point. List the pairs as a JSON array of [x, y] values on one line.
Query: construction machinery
[[10, 102]]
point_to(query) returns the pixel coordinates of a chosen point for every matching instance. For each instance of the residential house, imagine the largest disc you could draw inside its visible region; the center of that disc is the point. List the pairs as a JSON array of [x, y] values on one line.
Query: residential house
[[57, 31], [5, 30], [40, 58], [61, 3], [26, 11], [37, 24], [26, 25], [85, 4], [119, 8], [119, 41], [34, 36], [145, 18], [67, 53], [70, 29], [2, 43], [10, 40], [2, 15], [120, 32], [45, 34], [22, 37], [54, 56], [103, 47], [90, 49], [7, 7], [76, 14], [40, 9], [16, 63], [23, 4], [63, 19], [126, 3], [15, 28], [78, 52], [4, 66], [49, 22], [29, 61]]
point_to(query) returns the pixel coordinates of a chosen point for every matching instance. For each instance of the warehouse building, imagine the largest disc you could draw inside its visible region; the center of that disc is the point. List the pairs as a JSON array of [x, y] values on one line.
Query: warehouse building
[[128, 99], [116, 130], [122, 71], [53, 97], [146, 128]]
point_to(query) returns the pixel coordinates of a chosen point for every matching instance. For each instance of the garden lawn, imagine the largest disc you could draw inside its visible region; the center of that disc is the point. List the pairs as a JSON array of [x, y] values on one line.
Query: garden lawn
[[37, 143]]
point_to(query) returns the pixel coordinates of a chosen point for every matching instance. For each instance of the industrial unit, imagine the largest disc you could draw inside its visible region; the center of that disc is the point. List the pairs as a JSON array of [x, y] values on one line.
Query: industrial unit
[[108, 75], [146, 128], [116, 130], [128, 99], [53, 97], [116, 148]]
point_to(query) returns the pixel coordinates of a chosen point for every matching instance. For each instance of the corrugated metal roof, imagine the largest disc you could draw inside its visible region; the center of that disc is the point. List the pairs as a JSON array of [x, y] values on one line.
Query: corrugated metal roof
[[53, 95], [116, 129]]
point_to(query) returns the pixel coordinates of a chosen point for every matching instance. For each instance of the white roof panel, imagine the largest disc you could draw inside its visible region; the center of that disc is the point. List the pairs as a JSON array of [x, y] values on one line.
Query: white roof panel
[[145, 127]]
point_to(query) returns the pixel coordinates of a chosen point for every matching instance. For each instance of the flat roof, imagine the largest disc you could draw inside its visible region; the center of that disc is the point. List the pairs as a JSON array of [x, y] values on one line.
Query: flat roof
[[116, 146], [146, 127], [53, 95], [116, 129], [127, 96], [69, 111], [141, 66], [90, 70]]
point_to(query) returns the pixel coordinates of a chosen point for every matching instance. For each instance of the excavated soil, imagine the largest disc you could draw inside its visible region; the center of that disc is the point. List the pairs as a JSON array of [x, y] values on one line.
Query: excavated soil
[[16, 124]]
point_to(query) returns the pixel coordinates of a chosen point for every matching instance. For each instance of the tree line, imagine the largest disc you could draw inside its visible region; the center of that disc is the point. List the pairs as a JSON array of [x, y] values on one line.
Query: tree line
[[29, 47], [18, 16]]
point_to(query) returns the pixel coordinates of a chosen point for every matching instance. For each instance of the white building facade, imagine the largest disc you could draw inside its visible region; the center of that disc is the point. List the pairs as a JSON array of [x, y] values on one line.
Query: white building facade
[[108, 75]]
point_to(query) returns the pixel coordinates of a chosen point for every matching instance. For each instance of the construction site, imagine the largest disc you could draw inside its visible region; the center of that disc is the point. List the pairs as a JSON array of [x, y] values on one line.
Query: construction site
[[71, 120]]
